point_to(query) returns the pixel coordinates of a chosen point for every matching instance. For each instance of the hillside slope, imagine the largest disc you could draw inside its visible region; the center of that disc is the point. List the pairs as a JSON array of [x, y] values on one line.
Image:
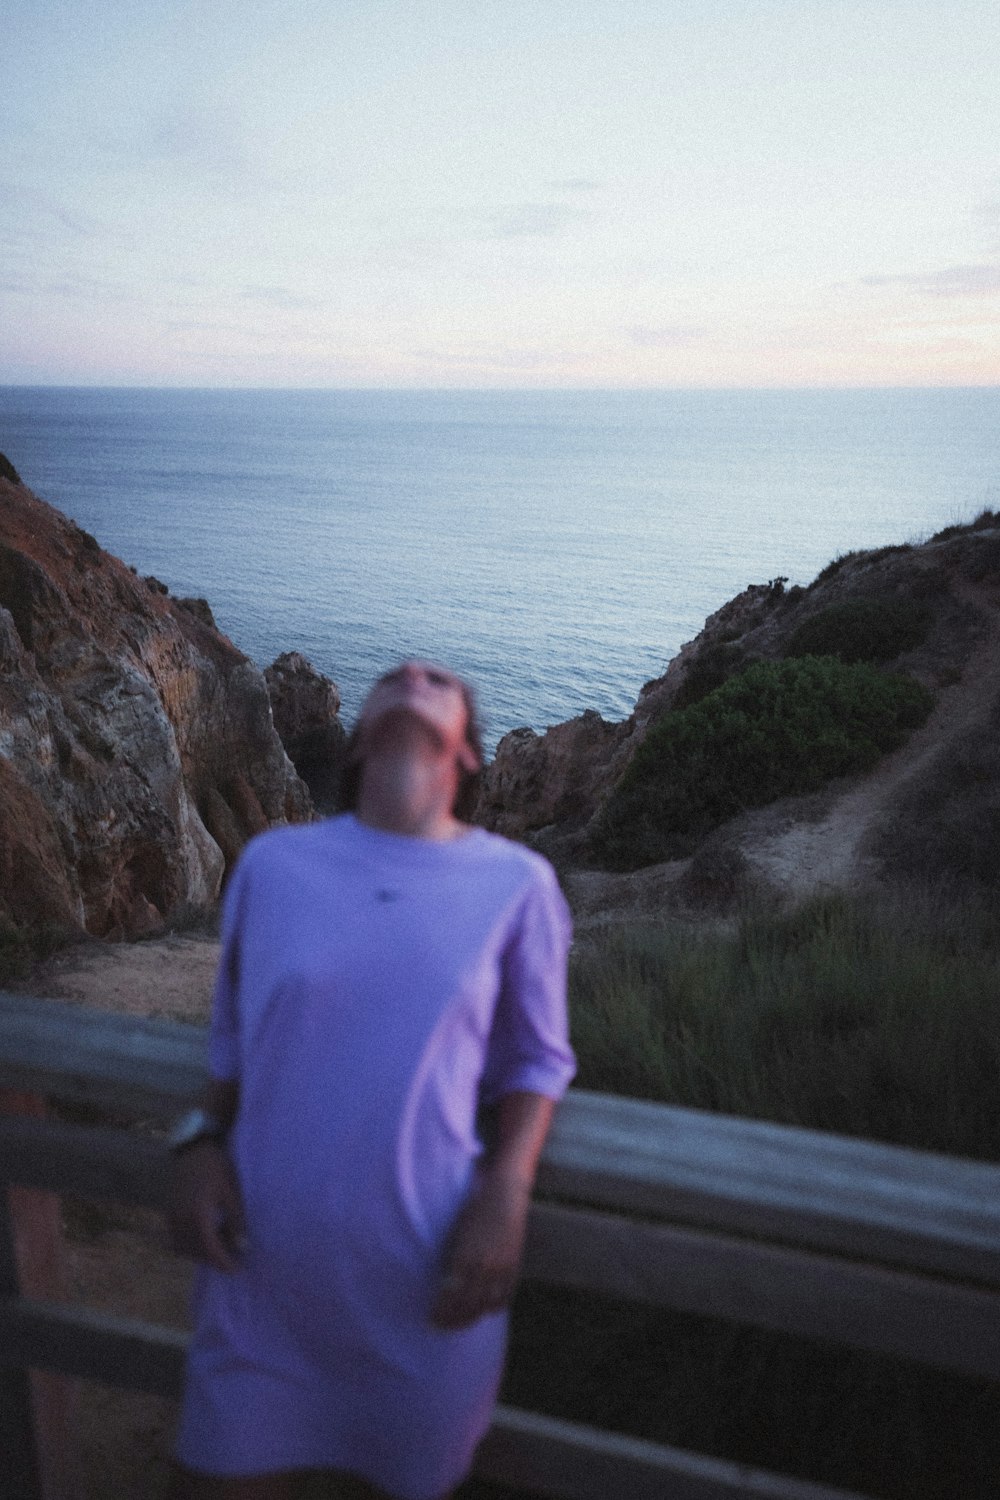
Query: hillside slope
[[931, 809]]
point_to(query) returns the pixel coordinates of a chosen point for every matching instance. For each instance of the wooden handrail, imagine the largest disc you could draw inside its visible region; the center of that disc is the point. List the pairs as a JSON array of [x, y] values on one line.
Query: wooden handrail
[[869, 1245], [773, 1182]]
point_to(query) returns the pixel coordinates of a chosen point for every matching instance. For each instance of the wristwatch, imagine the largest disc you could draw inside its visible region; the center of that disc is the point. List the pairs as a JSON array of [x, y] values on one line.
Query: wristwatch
[[197, 1125]]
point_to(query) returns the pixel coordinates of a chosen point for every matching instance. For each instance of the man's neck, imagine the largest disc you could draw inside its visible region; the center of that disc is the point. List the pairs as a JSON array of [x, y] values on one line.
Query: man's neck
[[408, 794]]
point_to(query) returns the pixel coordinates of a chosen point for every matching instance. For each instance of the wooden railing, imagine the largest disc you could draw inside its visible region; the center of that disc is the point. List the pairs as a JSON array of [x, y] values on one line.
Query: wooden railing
[[879, 1248]]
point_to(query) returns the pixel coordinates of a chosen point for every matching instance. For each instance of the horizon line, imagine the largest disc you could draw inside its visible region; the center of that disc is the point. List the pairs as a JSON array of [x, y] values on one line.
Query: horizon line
[[493, 390]]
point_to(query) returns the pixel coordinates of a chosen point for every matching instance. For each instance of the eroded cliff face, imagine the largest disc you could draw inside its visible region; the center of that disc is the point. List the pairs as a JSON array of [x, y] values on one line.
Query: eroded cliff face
[[137, 748]]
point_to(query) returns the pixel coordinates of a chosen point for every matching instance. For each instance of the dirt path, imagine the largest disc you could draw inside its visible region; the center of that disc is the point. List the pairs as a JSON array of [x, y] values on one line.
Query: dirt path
[[830, 853]]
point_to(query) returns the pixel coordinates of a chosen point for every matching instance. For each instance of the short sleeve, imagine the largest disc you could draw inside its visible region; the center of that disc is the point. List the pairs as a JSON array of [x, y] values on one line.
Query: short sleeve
[[529, 1046], [223, 1034]]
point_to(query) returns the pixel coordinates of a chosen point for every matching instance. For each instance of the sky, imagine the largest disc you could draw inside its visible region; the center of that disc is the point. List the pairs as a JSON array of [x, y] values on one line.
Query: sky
[[459, 194]]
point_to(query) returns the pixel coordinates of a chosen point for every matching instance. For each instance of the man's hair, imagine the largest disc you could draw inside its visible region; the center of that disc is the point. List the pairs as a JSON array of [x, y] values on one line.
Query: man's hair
[[469, 782]]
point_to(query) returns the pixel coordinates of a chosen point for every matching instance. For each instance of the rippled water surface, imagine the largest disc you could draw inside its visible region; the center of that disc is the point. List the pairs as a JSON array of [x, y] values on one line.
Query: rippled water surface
[[557, 547]]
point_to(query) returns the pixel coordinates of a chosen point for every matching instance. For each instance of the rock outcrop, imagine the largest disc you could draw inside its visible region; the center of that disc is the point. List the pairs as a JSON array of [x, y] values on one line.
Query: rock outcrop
[[306, 705], [559, 777], [137, 748]]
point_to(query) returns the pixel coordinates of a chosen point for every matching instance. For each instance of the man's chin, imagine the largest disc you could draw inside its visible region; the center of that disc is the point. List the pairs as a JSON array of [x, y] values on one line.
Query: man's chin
[[400, 725]]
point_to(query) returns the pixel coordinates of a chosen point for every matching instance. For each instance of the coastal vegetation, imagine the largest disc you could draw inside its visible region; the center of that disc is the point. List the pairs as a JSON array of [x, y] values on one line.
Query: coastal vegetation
[[776, 729], [867, 555], [870, 1017], [874, 1017]]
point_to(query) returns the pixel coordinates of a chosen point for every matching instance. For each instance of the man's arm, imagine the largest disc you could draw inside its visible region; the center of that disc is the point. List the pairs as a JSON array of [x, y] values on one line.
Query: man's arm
[[486, 1245], [205, 1208]]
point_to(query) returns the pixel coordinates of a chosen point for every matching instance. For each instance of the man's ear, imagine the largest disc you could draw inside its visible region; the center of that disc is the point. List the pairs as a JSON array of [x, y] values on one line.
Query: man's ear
[[469, 759]]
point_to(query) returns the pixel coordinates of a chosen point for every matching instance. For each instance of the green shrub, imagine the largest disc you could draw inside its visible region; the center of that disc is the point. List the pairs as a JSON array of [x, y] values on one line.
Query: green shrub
[[879, 1020], [862, 630], [983, 561], [776, 729], [710, 669]]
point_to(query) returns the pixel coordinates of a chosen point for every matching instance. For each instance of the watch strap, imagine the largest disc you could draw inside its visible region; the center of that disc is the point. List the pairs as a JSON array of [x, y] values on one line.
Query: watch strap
[[197, 1125]]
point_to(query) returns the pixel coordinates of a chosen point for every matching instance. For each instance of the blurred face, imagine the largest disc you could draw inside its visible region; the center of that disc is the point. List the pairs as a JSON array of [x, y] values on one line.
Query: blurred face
[[429, 693]]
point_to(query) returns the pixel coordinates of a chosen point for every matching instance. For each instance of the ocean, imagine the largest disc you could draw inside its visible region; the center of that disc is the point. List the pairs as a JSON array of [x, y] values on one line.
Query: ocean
[[557, 548]]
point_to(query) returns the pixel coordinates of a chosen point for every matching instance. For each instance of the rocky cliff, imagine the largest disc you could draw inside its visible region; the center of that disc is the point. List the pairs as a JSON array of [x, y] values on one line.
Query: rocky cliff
[[931, 610], [306, 709], [137, 747]]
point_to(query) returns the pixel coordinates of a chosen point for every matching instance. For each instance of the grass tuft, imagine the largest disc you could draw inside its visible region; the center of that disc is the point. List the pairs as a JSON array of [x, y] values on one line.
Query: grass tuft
[[874, 1022], [876, 554]]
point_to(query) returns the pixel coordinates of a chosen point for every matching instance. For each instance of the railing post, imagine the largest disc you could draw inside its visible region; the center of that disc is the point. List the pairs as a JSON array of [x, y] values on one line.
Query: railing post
[[18, 1473], [38, 1436]]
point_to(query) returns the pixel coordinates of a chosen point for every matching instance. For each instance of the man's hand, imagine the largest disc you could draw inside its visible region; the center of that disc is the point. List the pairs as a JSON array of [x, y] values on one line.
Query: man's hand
[[206, 1210], [483, 1255], [484, 1251]]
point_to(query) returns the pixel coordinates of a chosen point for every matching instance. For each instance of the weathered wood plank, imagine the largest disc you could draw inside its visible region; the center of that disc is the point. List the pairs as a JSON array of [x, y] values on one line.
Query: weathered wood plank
[[816, 1295], [858, 1198], [36, 1231], [98, 1057], [92, 1345], [848, 1302], [694, 1173], [19, 1477], [567, 1461]]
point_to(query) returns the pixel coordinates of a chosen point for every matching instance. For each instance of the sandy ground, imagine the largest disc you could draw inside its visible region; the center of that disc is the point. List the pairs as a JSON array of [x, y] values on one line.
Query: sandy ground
[[168, 977]]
